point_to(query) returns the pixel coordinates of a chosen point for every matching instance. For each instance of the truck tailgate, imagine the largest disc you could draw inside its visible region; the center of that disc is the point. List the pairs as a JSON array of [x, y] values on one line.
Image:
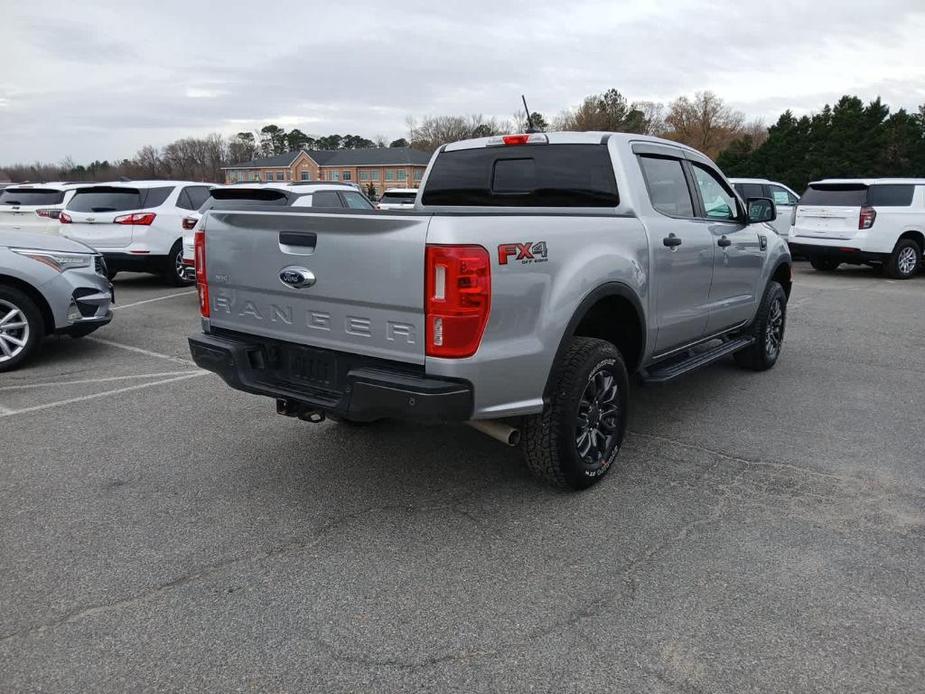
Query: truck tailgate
[[368, 291]]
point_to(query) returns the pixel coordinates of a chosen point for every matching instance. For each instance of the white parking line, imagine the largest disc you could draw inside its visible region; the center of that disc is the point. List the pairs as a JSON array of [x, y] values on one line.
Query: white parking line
[[139, 350], [94, 396], [158, 298], [56, 384]]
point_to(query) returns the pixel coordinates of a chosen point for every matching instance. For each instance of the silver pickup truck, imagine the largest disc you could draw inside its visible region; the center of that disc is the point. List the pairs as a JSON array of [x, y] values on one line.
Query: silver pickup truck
[[536, 273]]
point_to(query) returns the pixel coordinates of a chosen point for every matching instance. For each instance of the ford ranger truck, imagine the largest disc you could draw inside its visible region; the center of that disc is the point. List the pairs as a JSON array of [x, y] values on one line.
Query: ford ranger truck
[[535, 274]]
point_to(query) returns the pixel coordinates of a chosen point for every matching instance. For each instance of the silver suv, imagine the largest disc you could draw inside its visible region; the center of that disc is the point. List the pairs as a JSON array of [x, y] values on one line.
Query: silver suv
[[536, 273], [48, 284]]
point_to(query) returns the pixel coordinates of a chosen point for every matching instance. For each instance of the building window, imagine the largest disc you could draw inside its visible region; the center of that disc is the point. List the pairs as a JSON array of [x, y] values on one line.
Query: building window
[[305, 176], [364, 175], [347, 176], [418, 174], [390, 174], [280, 176], [334, 176], [374, 175], [402, 175]]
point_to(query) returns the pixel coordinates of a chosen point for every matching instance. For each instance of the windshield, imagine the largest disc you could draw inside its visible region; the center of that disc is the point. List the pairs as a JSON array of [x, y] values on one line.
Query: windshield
[[31, 196]]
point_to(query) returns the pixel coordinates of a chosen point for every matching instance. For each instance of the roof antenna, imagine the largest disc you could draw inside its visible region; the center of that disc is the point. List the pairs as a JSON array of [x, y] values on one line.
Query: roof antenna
[[530, 128]]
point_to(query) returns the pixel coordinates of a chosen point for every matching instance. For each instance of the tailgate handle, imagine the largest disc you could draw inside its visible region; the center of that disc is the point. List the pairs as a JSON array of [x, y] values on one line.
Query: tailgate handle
[[303, 239]]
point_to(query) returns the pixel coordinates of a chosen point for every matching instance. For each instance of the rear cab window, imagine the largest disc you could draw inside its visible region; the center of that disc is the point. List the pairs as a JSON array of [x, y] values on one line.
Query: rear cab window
[[31, 196], [540, 175], [667, 186]]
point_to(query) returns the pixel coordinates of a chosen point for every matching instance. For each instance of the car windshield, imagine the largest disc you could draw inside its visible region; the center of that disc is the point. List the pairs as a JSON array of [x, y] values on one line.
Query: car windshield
[[398, 198], [31, 196]]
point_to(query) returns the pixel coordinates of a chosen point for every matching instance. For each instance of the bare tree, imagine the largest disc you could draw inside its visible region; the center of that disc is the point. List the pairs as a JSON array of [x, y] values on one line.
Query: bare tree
[[434, 131], [704, 122]]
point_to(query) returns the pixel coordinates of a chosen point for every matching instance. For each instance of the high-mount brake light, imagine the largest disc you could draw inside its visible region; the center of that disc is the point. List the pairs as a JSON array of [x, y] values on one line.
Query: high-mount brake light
[[457, 299], [136, 219], [202, 280], [867, 218], [522, 139]]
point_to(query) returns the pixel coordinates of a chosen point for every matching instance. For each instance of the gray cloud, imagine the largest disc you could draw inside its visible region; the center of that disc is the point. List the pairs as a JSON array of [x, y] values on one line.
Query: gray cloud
[[97, 83]]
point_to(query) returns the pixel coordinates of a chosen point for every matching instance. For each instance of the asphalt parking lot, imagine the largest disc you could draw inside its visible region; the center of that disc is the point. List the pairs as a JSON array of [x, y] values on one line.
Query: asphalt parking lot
[[159, 531]]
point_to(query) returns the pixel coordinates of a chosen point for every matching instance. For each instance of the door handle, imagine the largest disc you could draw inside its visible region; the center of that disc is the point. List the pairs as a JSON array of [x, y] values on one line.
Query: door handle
[[672, 241], [724, 242]]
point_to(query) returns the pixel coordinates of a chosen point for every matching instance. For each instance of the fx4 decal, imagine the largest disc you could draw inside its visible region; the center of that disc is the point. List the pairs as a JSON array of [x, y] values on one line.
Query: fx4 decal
[[526, 253]]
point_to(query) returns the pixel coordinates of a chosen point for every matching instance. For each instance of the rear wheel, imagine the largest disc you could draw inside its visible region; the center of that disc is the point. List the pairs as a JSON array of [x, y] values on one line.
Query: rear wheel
[[574, 441], [904, 261], [175, 272], [824, 264], [21, 328]]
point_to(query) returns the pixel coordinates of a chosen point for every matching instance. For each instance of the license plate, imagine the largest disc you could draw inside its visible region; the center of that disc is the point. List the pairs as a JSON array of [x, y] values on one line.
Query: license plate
[[313, 366]]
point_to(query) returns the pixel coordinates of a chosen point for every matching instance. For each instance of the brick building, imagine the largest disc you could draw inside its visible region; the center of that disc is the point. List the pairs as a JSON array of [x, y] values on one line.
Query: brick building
[[383, 167]]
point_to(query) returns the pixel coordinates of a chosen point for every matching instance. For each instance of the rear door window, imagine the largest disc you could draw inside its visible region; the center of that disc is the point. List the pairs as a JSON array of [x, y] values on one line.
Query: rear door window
[[198, 195], [155, 197], [668, 189], [103, 199], [183, 200], [889, 195], [782, 196], [751, 190], [539, 175], [27, 196], [326, 198], [835, 195]]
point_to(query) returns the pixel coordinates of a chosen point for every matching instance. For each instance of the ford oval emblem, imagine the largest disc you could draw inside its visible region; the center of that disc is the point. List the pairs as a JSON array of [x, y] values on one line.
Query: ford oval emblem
[[296, 277]]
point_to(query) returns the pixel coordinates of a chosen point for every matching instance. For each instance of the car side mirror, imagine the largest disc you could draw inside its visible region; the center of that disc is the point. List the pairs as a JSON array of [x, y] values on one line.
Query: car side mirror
[[761, 210]]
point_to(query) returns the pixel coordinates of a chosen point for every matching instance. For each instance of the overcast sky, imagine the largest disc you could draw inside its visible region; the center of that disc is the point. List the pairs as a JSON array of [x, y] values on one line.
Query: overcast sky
[[95, 80]]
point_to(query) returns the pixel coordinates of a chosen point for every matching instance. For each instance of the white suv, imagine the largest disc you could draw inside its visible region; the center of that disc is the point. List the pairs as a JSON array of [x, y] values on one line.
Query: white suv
[[329, 194], [877, 221], [34, 207], [784, 199], [136, 225], [398, 199]]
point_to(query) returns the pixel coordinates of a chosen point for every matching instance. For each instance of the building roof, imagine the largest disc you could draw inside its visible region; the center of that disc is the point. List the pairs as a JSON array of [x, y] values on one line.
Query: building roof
[[376, 156]]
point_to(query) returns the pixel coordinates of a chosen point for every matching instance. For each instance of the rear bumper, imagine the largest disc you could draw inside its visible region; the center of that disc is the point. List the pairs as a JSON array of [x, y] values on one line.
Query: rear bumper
[[364, 389], [845, 254], [131, 261]]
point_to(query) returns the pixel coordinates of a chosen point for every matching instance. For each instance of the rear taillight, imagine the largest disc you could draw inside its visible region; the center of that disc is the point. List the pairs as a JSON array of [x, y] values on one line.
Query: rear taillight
[[867, 218], [457, 299], [137, 219], [49, 214], [202, 282], [64, 218], [189, 223]]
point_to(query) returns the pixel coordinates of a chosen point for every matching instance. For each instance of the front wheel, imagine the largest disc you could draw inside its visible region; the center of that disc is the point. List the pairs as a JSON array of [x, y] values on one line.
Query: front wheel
[[574, 441], [768, 331], [21, 328]]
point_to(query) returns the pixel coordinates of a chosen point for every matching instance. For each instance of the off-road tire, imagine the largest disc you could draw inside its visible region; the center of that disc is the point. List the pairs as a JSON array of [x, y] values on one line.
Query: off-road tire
[[760, 356], [12, 298], [900, 266], [548, 439], [173, 266], [824, 264]]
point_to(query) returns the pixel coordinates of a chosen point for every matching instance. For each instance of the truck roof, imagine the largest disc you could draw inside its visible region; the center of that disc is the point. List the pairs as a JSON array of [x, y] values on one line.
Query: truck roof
[[572, 138], [871, 181]]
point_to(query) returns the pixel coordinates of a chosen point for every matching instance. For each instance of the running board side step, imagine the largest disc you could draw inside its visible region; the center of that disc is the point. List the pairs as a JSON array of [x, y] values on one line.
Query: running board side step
[[672, 369]]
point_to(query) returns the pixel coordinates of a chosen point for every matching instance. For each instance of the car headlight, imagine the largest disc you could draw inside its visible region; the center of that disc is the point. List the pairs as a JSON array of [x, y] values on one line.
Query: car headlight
[[57, 260]]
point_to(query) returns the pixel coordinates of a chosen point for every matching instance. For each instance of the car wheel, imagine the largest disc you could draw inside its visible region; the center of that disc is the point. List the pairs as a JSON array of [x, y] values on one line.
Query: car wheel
[[574, 441], [21, 328], [904, 260], [175, 272], [824, 264], [768, 331]]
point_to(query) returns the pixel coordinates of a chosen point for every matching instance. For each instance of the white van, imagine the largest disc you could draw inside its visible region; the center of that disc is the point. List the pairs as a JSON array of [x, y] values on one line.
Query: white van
[[875, 221]]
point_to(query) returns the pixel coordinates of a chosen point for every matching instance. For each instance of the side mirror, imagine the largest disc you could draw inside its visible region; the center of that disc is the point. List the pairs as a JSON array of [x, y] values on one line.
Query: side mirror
[[761, 210]]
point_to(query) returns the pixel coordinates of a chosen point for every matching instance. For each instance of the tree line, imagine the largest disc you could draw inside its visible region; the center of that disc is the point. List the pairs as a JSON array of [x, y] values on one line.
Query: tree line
[[849, 139]]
